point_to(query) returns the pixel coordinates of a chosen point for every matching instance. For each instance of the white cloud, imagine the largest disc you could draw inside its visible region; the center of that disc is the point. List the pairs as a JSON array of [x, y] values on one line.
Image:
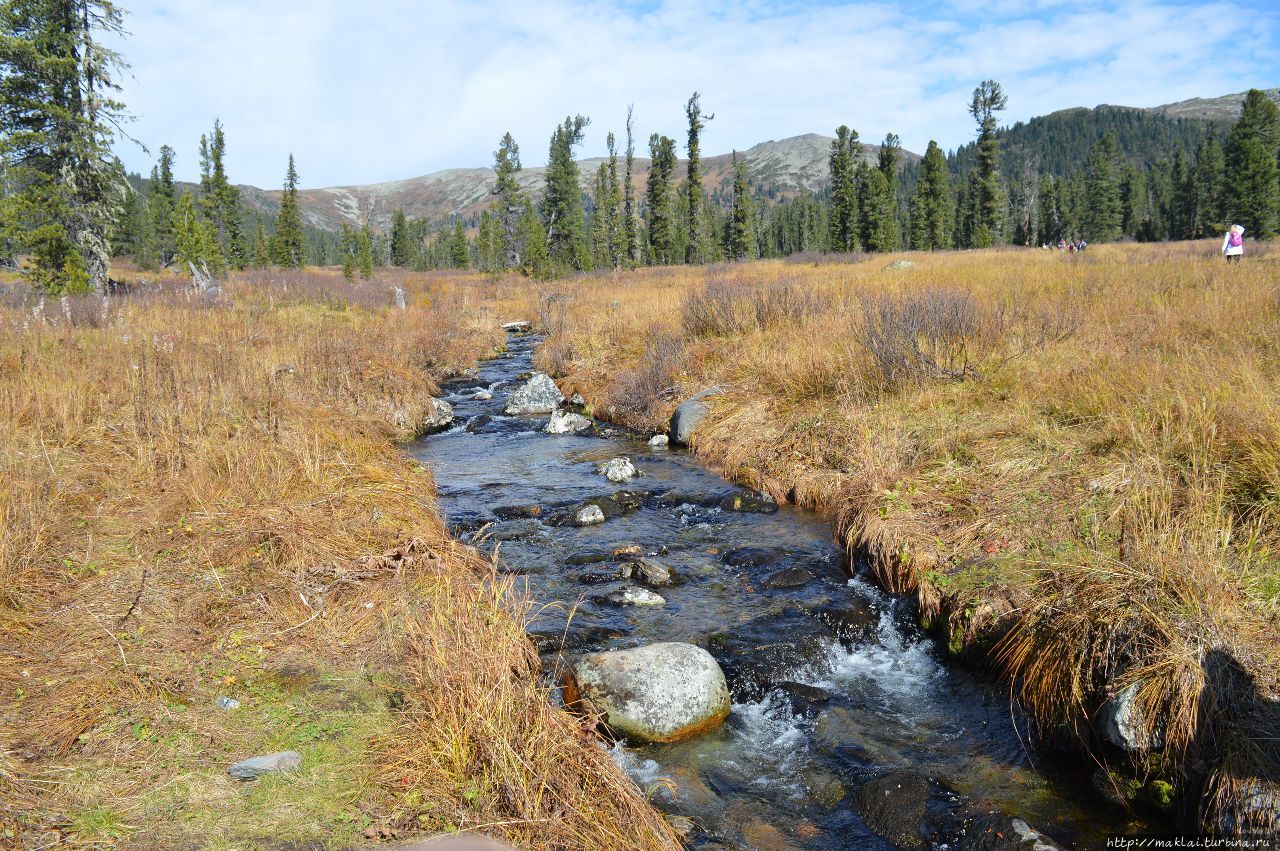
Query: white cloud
[[390, 89]]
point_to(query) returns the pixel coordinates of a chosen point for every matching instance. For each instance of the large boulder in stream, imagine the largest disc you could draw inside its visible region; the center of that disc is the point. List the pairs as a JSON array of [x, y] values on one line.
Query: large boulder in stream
[[438, 417], [538, 395], [658, 693], [563, 423], [689, 414]]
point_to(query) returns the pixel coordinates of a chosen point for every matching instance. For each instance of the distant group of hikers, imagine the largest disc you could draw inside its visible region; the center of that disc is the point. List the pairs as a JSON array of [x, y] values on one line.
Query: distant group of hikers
[[1232, 244], [1066, 245]]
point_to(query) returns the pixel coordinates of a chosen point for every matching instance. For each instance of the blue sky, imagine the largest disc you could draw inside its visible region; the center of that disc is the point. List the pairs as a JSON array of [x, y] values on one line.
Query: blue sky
[[389, 89]]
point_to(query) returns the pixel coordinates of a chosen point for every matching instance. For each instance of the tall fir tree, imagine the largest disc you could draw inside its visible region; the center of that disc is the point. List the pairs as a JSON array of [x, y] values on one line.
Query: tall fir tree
[[400, 253], [630, 213], [888, 238], [931, 209], [364, 251], [197, 245], [510, 202], [1103, 213], [289, 243], [1210, 168], [693, 180], [741, 237], [260, 255], [63, 190], [348, 250], [162, 198], [662, 237], [459, 253], [988, 202], [219, 199], [1252, 173], [846, 151], [562, 204]]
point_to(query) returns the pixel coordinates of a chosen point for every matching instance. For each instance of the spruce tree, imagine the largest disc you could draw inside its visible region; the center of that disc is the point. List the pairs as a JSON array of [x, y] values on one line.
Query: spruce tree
[[1103, 214], [741, 241], [364, 251], [261, 254], [459, 256], [348, 251], [988, 202], [62, 190], [693, 182], [510, 202], [197, 245], [289, 245], [1210, 169], [1252, 173], [535, 261], [931, 210], [400, 254], [662, 237], [562, 204], [630, 215], [219, 199], [887, 238], [161, 201], [846, 150]]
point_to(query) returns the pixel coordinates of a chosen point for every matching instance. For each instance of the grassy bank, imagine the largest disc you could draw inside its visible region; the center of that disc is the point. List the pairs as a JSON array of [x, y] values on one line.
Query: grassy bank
[[203, 498], [1070, 460]]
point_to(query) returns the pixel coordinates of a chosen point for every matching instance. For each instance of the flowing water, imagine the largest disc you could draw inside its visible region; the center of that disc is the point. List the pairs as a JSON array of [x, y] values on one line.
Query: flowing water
[[832, 681]]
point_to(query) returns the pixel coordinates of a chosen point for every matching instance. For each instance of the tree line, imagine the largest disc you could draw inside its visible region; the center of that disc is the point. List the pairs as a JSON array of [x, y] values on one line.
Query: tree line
[[67, 207]]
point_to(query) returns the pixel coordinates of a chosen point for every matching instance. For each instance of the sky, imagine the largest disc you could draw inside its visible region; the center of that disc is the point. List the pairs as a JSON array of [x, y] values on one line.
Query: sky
[[389, 89]]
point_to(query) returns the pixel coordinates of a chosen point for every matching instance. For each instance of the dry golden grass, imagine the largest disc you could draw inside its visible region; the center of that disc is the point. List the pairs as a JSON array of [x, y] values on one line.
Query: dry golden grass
[[1071, 460], [203, 499]]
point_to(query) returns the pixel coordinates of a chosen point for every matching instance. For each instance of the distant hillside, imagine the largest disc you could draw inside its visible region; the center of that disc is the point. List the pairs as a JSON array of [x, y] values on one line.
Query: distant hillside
[[1224, 109], [781, 168]]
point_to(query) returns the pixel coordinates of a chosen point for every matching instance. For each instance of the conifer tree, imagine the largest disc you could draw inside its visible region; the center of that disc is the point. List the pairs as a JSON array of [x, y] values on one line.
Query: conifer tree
[[662, 153], [1252, 173], [988, 202], [400, 254], [1210, 168], [562, 204], [62, 191], [197, 245], [348, 251], [510, 201], [630, 215], [846, 150], [876, 215], [219, 199], [931, 209], [1103, 214], [887, 238], [1048, 217], [487, 248], [261, 254], [364, 251], [693, 182], [535, 261], [459, 257], [128, 236], [289, 244], [741, 241]]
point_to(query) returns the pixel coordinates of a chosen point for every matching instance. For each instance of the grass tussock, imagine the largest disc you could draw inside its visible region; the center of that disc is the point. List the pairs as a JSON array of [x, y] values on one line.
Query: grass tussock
[[1071, 460], [201, 497]]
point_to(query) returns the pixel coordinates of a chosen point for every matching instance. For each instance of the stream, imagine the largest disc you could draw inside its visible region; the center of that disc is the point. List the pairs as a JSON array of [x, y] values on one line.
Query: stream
[[833, 684]]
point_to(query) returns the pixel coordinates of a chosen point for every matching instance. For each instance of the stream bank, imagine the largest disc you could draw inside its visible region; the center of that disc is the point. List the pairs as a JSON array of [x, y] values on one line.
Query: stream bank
[[839, 699]]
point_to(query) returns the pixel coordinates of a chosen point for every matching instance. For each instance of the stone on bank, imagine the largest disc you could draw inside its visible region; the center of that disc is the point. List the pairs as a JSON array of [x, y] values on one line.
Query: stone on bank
[[658, 693]]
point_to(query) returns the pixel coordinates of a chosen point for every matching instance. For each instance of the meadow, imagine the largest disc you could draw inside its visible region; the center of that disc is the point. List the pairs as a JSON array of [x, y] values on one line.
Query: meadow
[[1071, 460], [203, 497]]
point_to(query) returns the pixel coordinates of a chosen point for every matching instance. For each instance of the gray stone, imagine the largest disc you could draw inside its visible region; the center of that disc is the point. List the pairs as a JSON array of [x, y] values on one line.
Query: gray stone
[[483, 395], [519, 326], [618, 470], [649, 572], [659, 441], [588, 515], [690, 413], [788, 577], [632, 596], [567, 423], [577, 399], [438, 417], [538, 395], [227, 703], [658, 693], [899, 264], [273, 763], [1122, 722]]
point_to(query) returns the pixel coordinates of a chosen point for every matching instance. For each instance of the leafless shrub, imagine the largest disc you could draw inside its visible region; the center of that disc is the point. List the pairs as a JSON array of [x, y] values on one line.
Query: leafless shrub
[[946, 334], [818, 258], [727, 305], [552, 312], [633, 393]]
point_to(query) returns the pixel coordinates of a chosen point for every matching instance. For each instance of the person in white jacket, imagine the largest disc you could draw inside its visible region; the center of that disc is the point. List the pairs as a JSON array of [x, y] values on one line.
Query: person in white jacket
[[1233, 244]]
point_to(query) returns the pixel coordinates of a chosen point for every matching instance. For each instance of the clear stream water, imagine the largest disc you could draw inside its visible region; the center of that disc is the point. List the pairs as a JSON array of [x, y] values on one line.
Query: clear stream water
[[833, 682]]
